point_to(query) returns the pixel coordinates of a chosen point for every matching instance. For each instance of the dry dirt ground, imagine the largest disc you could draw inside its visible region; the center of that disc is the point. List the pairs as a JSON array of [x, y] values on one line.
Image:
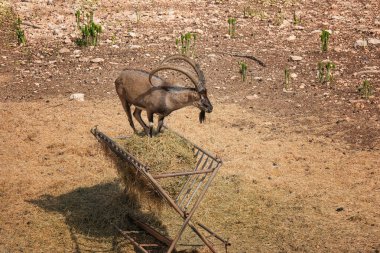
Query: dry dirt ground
[[301, 168]]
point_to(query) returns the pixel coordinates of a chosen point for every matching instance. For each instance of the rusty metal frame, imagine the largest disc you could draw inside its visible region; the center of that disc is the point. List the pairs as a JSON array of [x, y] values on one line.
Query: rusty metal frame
[[188, 199]]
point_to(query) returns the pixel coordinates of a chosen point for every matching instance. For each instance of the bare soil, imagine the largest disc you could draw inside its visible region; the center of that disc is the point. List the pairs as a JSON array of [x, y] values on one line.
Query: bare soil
[[301, 167]]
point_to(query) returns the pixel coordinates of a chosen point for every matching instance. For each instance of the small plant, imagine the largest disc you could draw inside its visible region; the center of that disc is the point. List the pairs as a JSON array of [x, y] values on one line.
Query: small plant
[[231, 26], [325, 35], [138, 15], [287, 79], [243, 70], [325, 74], [21, 39], [89, 29], [366, 89], [296, 18], [186, 43]]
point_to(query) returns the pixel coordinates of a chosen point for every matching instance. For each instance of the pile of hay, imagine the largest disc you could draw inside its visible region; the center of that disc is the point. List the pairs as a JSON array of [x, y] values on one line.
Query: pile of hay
[[164, 153]]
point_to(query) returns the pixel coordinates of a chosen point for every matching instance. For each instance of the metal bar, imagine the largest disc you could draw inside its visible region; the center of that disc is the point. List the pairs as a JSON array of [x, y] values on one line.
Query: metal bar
[[186, 173], [214, 234], [198, 187], [167, 241], [187, 220], [136, 244], [193, 183], [188, 181]]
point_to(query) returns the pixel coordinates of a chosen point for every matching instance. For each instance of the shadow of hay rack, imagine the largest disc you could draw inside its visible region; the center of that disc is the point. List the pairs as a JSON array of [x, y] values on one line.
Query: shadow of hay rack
[[185, 203]]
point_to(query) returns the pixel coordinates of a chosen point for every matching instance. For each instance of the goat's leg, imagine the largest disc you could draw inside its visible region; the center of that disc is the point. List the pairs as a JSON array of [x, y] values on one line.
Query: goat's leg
[[127, 109], [137, 115], [160, 123], [150, 118]]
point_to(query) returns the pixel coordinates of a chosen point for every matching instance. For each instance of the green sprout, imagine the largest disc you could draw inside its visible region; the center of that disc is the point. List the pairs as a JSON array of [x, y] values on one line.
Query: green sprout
[[366, 89], [325, 35], [287, 79], [20, 33], [325, 74], [296, 18], [186, 43], [89, 29], [231, 26], [138, 15], [243, 70]]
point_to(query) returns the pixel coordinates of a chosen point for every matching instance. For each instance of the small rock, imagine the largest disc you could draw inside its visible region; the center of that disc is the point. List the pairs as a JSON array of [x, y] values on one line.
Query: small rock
[[77, 96], [134, 46], [255, 96], [56, 32], [132, 34], [316, 31], [337, 17], [199, 31], [97, 60], [361, 43], [373, 41], [50, 2], [296, 58], [115, 46], [293, 75], [302, 86], [376, 31], [339, 209], [77, 52], [67, 41], [285, 23], [234, 77], [64, 50], [291, 38], [298, 27]]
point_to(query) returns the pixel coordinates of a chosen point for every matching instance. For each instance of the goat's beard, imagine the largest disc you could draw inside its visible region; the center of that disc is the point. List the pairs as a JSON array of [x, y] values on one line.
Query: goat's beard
[[202, 116]]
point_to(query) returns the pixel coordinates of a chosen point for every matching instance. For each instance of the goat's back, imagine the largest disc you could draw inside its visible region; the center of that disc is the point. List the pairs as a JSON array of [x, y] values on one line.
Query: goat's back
[[133, 83]]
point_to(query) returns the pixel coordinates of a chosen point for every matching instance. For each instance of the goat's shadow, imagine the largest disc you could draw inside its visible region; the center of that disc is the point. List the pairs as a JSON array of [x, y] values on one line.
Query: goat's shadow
[[91, 212]]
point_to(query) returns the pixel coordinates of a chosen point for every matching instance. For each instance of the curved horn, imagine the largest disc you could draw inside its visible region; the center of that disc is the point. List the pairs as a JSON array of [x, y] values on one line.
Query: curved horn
[[195, 66], [173, 67]]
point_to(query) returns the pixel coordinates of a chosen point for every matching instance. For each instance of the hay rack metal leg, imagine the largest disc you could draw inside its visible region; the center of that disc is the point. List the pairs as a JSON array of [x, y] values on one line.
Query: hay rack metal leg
[[185, 203]]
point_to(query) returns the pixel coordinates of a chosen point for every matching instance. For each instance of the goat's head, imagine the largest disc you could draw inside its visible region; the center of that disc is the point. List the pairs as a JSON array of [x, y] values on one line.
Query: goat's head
[[203, 103]]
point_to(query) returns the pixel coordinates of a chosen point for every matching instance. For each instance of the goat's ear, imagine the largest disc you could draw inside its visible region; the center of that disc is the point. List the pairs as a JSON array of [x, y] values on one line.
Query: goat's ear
[[202, 116]]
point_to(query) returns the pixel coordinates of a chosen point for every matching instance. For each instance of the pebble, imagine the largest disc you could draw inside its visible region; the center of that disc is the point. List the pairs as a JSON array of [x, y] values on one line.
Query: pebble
[[302, 86], [373, 41], [285, 23], [77, 96], [134, 46], [296, 58], [361, 43], [293, 75], [132, 34], [64, 50], [291, 38], [67, 40], [255, 96], [97, 60]]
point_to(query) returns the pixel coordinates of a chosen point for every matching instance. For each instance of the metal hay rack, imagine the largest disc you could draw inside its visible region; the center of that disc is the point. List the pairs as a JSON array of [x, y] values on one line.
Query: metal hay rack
[[185, 203]]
